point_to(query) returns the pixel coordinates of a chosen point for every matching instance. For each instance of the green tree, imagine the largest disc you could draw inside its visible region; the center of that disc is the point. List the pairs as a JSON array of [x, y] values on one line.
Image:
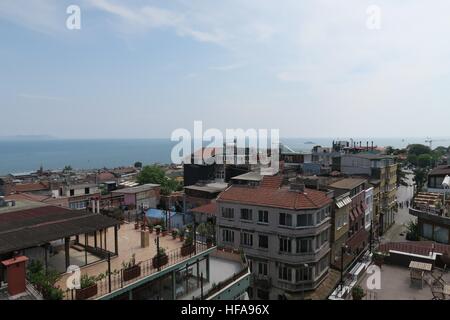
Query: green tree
[[151, 174], [420, 178], [418, 149], [401, 177], [138, 164], [425, 160], [154, 174]]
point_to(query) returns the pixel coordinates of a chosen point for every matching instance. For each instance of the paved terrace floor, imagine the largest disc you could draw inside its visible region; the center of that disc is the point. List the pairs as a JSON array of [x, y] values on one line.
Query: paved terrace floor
[[396, 285], [129, 241]]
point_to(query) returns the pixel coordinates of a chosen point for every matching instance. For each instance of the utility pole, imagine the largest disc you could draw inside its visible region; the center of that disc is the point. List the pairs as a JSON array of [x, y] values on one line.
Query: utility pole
[[371, 236]]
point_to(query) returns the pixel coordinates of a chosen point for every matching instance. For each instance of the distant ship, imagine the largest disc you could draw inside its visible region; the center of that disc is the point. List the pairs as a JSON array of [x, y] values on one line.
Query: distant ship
[[309, 142]]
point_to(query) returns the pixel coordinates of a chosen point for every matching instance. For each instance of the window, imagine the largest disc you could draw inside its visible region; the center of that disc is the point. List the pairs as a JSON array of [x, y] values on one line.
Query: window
[[246, 239], [228, 213], [72, 192], [262, 268], [303, 274], [440, 234], [304, 245], [322, 239], [263, 241], [263, 216], [246, 214], [322, 265], [285, 245], [285, 219], [228, 236], [284, 273], [86, 191], [304, 220]]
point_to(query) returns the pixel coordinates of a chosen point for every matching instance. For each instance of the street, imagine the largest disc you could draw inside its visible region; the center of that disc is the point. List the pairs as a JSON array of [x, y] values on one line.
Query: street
[[397, 232]]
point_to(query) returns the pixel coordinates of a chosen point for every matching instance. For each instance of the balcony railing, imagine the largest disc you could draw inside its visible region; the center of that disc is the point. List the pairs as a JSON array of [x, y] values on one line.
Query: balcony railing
[[115, 280]]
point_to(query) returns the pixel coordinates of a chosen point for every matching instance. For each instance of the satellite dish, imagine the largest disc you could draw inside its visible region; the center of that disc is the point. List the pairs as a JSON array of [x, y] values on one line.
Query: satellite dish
[[446, 182]]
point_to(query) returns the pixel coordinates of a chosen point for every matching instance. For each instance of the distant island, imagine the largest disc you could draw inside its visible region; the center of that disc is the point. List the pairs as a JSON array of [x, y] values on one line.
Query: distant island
[[309, 142]]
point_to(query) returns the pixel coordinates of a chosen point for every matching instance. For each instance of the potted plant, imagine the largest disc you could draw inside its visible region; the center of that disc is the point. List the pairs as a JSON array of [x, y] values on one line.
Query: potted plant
[[88, 287], [164, 231], [150, 228], [160, 259], [358, 293], [206, 230], [188, 246], [174, 233], [131, 270], [378, 258], [181, 234]]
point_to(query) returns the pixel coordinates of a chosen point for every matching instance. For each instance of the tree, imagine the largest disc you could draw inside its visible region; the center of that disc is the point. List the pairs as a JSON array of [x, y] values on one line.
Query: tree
[[151, 174], [401, 177], [67, 169], [389, 150], [424, 160], [138, 164], [154, 174], [420, 178], [413, 231], [418, 149]]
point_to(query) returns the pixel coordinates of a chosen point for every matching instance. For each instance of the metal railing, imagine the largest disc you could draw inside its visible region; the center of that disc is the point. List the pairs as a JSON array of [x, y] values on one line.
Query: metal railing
[[114, 281]]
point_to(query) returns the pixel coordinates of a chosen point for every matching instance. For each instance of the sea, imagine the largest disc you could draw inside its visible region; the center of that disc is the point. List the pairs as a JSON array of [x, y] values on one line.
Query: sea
[[23, 155]]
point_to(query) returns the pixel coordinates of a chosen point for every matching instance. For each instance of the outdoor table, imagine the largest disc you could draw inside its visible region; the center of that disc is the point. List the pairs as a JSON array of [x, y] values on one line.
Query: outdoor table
[[417, 270]]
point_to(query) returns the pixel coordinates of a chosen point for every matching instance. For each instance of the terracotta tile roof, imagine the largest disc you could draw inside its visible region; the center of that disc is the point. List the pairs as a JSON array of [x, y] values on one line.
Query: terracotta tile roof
[[27, 196], [210, 208], [279, 198], [27, 187], [106, 176], [273, 182]]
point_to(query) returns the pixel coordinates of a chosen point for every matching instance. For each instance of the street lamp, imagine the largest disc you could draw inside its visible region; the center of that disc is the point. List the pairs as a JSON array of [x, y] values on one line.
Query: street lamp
[[305, 266], [344, 249], [446, 185]]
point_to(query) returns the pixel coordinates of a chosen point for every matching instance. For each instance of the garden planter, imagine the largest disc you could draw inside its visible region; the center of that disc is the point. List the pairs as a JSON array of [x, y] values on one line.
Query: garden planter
[[160, 261], [131, 273], [86, 293], [187, 250]]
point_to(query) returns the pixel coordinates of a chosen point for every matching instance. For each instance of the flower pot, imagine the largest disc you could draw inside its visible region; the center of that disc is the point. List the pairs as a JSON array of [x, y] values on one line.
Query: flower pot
[[131, 273], [187, 250], [86, 293], [159, 261]]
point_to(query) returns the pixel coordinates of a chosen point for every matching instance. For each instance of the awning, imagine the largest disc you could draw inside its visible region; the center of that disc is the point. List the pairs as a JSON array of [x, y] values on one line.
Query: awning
[[352, 216]]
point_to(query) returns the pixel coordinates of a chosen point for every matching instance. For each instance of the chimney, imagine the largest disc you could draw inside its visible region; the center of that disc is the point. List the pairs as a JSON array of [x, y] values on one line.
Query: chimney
[[16, 275], [372, 145]]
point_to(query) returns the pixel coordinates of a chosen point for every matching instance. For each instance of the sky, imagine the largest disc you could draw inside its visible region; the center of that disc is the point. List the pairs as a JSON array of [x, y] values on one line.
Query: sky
[[141, 69]]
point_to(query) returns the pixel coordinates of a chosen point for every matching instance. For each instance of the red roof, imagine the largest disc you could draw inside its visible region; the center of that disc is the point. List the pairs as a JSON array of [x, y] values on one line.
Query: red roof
[[279, 198], [273, 182], [210, 208], [27, 187]]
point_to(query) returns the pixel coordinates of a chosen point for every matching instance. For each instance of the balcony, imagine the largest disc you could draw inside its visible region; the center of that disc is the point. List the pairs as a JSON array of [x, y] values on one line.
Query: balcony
[[110, 284], [261, 281]]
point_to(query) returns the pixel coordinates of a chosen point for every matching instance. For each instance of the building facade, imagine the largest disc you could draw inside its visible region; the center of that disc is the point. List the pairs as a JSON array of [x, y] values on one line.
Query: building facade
[[284, 232]]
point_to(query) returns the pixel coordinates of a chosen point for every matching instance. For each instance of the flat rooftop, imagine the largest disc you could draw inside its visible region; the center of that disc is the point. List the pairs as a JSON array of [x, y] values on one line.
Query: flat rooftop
[[347, 183], [250, 176], [396, 285], [138, 189]]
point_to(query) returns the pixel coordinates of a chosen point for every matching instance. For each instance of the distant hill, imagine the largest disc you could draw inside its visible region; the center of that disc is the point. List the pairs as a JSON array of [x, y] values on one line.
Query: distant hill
[[27, 137]]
